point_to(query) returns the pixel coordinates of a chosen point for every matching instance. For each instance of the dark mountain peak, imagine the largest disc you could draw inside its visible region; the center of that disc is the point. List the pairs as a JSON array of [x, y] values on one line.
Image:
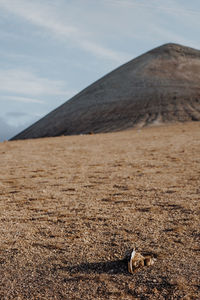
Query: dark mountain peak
[[162, 85], [173, 49]]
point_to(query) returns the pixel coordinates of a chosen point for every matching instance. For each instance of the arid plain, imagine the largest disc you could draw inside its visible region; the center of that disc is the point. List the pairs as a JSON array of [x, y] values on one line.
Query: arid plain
[[71, 206]]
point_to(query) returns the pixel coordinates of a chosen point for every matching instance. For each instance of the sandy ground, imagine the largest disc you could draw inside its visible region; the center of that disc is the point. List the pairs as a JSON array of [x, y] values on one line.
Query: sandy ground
[[70, 207]]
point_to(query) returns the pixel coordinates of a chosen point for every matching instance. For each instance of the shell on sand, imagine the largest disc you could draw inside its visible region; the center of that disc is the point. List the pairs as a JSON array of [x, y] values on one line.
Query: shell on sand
[[137, 261]]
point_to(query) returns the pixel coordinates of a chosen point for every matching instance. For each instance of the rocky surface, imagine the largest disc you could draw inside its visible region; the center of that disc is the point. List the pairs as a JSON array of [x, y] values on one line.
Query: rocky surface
[[72, 206], [162, 85]]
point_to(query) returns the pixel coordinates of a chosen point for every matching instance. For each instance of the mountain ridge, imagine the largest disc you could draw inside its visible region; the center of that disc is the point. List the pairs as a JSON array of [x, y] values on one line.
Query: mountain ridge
[[161, 85]]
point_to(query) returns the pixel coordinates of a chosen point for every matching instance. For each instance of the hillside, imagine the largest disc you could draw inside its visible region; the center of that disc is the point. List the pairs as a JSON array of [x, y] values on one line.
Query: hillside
[[162, 85], [71, 207]]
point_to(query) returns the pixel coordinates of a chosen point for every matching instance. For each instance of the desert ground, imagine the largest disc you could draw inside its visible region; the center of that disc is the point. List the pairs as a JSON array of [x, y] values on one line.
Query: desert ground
[[71, 206]]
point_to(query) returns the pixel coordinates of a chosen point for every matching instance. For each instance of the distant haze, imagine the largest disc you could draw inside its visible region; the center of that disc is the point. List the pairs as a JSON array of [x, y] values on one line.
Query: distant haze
[[7, 131]]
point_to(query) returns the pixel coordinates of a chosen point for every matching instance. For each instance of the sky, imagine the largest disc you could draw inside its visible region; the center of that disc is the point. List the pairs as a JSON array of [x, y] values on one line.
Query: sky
[[51, 50]]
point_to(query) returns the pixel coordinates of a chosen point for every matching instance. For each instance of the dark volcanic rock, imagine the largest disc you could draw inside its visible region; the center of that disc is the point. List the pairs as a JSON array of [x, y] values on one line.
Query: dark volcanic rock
[[162, 85]]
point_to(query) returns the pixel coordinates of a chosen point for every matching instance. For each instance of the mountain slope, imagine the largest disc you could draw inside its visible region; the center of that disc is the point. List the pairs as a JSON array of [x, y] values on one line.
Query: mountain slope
[[162, 85]]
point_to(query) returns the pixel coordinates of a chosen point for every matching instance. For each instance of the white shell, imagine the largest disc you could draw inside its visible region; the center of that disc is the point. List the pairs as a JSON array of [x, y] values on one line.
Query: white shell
[[130, 265]]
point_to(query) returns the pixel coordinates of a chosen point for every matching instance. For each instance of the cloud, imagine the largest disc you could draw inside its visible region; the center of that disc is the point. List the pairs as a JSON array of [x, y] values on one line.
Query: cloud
[[44, 15], [28, 83], [105, 52], [171, 7], [23, 99], [8, 128], [15, 114], [173, 36], [155, 20], [7, 131], [114, 17], [38, 14]]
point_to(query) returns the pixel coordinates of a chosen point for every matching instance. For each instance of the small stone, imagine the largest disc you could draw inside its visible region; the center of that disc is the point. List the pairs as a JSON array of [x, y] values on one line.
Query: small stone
[[155, 291]]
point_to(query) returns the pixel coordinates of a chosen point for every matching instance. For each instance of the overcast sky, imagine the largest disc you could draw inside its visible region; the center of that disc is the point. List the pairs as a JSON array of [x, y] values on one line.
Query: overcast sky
[[52, 49]]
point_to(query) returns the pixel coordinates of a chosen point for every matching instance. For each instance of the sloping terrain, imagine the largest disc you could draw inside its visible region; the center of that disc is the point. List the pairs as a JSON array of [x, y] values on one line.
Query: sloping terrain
[[162, 85], [72, 206]]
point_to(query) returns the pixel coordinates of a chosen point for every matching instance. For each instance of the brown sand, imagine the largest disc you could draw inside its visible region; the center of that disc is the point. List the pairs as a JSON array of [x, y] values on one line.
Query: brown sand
[[72, 206]]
